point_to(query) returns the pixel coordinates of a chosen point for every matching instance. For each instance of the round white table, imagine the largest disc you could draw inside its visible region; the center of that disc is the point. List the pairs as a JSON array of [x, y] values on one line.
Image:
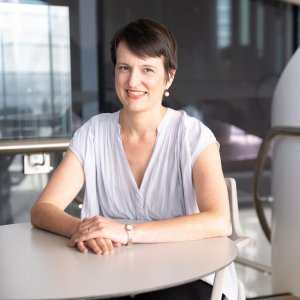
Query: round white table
[[36, 264]]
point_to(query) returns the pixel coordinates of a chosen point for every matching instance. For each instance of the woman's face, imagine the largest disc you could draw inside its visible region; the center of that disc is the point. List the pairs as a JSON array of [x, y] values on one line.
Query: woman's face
[[140, 82]]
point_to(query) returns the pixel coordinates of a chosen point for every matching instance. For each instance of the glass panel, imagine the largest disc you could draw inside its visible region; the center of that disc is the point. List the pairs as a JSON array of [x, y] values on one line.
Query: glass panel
[[230, 56], [35, 85], [18, 192], [35, 96]]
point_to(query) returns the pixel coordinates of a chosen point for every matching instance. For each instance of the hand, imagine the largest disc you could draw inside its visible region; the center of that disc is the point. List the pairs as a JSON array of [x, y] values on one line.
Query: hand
[[99, 227], [98, 245]]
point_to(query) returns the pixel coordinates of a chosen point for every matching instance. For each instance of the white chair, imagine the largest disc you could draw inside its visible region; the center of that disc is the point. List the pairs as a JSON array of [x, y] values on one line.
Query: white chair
[[237, 237]]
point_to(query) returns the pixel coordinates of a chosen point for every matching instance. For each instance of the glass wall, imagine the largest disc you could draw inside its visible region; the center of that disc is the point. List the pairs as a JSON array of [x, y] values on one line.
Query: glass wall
[[230, 56], [35, 95], [35, 85]]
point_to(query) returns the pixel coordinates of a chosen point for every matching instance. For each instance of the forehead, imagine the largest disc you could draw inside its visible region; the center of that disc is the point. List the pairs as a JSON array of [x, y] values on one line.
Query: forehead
[[125, 55]]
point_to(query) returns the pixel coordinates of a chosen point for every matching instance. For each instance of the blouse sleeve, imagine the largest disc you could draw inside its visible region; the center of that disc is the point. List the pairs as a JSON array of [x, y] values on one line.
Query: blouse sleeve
[[200, 137], [82, 141]]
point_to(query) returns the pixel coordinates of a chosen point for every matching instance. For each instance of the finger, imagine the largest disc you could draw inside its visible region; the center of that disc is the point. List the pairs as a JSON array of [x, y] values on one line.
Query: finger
[[79, 232], [109, 245], [88, 236], [89, 229], [116, 244], [86, 224], [82, 248], [102, 245], [90, 224], [93, 245], [86, 219], [72, 244]]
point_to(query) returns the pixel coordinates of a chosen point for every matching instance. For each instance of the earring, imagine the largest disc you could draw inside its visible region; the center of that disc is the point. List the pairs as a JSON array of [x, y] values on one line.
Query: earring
[[166, 93]]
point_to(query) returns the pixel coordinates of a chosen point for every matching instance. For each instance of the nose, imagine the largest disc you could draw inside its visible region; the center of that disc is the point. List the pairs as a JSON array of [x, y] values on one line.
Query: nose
[[134, 79]]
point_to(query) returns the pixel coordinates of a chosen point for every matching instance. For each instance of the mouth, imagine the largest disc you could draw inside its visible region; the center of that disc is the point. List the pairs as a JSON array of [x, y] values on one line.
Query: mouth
[[136, 93]]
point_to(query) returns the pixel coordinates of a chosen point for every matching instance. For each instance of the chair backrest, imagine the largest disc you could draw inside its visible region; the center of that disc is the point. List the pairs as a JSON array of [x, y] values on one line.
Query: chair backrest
[[237, 234]]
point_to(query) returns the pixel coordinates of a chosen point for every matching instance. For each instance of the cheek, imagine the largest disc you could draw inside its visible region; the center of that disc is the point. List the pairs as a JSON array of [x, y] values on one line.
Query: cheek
[[158, 86], [118, 86], [120, 79]]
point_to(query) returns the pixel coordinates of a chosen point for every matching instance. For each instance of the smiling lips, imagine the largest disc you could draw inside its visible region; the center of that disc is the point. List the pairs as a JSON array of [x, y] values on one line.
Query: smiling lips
[[135, 94]]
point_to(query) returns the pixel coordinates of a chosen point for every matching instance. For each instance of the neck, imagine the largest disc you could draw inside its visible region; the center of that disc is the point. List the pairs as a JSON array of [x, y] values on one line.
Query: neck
[[140, 124]]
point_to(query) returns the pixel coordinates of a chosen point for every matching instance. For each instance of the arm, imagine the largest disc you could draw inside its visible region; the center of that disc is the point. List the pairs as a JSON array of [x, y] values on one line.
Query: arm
[[213, 204], [63, 186], [48, 212], [212, 200]]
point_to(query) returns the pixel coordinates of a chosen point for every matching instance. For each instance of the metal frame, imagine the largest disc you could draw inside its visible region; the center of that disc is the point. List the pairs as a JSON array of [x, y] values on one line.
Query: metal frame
[[39, 146], [259, 267], [259, 165], [24, 147]]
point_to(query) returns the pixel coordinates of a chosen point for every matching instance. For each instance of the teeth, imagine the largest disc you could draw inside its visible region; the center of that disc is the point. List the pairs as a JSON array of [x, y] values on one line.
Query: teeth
[[136, 93]]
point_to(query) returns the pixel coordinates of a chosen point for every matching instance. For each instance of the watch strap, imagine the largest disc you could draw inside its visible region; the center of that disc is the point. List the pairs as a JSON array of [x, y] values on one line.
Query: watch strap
[[129, 235]]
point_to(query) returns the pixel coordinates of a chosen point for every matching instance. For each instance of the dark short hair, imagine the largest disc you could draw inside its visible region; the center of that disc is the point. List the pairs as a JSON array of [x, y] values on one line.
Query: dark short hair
[[147, 38]]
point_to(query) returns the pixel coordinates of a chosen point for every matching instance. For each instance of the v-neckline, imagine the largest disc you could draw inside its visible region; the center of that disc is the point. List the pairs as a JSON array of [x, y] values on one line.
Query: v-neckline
[[158, 129]]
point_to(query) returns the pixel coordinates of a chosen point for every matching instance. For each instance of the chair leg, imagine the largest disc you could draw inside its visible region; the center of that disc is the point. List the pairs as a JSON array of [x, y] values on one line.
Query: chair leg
[[241, 290], [218, 285]]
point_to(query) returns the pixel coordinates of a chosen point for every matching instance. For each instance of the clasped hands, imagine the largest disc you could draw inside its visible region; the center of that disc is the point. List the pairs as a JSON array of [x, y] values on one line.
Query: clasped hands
[[100, 234]]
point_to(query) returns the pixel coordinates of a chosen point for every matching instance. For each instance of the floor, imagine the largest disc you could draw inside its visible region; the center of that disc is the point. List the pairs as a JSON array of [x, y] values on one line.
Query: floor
[[280, 297]]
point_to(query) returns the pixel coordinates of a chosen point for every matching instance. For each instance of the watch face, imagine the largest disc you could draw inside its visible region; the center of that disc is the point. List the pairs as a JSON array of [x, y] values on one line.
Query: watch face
[[129, 227]]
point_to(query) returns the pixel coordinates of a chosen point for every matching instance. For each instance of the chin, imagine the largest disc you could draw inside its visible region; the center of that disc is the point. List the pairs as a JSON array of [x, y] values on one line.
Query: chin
[[134, 106]]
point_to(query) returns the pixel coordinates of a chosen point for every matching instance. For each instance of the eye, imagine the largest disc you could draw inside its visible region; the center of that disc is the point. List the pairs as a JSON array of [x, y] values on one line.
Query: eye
[[124, 68], [147, 70]]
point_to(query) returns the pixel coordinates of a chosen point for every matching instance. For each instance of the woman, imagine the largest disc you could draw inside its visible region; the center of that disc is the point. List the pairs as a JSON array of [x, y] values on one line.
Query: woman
[[144, 162]]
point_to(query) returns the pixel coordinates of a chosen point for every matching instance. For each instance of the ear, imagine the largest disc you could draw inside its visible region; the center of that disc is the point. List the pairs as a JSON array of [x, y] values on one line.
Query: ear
[[170, 80]]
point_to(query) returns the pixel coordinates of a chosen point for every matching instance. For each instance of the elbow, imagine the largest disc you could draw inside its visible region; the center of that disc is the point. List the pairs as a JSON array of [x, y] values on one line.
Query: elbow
[[34, 216], [224, 226], [224, 232]]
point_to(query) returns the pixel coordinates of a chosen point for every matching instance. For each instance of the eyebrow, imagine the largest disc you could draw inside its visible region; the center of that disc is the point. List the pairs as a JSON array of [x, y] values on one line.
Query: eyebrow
[[144, 66], [149, 66], [120, 63]]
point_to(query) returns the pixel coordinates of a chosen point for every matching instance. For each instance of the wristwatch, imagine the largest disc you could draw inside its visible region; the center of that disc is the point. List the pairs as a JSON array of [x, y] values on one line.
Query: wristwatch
[[129, 228]]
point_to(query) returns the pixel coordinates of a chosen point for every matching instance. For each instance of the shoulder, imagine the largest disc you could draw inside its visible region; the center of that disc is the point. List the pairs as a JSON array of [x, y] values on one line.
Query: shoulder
[[96, 123], [99, 119], [192, 132], [190, 125], [85, 137]]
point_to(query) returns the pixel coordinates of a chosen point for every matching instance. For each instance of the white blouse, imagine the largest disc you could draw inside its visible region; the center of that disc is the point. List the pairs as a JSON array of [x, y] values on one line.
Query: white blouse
[[167, 189]]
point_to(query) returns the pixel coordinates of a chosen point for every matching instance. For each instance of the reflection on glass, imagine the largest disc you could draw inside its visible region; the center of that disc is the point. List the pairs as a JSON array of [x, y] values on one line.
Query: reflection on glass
[[224, 23], [260, 29], [244, 22], [18, 192], [278, 52], [35, 89]]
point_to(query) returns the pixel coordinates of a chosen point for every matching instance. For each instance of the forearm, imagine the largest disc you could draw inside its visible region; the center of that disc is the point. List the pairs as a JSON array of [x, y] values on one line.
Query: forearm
[[51, 218], [186, 228]]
